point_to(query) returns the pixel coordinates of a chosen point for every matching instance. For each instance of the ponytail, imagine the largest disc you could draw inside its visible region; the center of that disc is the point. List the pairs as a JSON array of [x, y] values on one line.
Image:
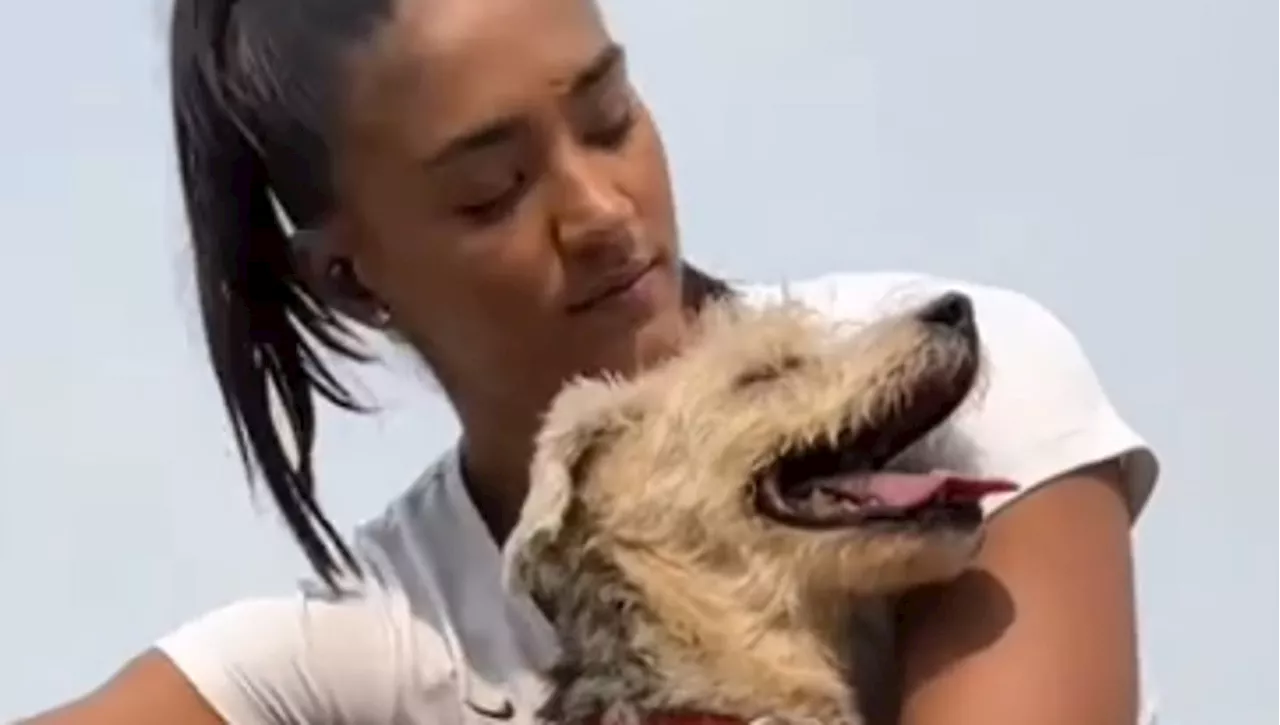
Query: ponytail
[[253, 306]]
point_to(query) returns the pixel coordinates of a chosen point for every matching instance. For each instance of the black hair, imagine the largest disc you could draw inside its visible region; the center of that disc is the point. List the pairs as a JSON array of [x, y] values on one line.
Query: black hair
[[255, 90], [254, 87]]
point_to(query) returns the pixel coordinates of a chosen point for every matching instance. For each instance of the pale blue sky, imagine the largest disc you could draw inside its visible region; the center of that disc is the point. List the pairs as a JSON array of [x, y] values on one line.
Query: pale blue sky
[[1114, 158]]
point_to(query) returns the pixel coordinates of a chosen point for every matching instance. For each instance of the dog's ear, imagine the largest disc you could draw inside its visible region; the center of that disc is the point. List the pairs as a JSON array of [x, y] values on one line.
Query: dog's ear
[[582, 419]]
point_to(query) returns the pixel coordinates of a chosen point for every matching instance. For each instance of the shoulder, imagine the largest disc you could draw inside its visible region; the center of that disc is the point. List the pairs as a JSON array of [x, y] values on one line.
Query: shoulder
[[1043, 412], [1004, 315], [310, 657], [861, 295], [362, 654]]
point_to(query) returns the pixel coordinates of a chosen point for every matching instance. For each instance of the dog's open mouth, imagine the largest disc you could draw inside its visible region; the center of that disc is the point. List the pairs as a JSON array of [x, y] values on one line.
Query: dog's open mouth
[[846, 484], [859, 498]]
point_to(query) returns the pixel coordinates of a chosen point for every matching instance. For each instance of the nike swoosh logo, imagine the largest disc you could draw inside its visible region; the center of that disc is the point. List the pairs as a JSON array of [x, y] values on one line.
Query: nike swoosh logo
[[505, 711]]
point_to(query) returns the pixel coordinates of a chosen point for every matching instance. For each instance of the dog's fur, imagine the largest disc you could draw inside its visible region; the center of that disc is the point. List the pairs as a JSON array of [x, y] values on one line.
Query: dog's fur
[[640, 541]]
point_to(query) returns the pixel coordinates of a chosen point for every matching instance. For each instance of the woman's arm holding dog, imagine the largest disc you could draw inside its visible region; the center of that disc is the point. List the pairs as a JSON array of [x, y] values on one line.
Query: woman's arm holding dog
[[1043, 629]]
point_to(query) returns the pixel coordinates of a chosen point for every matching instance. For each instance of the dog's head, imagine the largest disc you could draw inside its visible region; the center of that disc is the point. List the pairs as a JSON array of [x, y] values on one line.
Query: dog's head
[[761, 459]]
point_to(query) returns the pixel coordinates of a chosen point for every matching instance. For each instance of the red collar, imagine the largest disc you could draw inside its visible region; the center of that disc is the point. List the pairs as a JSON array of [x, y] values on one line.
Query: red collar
[[691, 718]]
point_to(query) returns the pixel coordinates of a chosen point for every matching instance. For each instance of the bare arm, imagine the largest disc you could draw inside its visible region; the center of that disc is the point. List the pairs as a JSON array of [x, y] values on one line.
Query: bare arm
[[1043, 630], [148, 691]]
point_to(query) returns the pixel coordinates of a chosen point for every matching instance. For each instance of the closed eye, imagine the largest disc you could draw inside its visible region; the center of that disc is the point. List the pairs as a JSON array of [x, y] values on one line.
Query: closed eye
[[611, 136], [767, 373], [495, 207]]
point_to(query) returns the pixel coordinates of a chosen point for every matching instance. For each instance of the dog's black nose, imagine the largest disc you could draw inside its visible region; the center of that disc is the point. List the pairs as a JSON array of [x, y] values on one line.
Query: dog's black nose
[[953, 310]]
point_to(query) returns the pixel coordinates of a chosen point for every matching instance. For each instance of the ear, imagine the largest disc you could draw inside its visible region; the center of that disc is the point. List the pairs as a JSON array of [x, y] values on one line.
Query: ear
[[327, 269], [583, 417]]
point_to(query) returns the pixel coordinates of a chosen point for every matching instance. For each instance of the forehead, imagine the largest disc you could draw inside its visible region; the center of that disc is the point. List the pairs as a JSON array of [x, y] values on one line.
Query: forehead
[[443, 67]]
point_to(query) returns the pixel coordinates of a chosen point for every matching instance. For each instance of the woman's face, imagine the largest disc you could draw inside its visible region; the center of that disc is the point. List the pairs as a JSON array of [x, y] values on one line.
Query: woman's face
[[504, 193]]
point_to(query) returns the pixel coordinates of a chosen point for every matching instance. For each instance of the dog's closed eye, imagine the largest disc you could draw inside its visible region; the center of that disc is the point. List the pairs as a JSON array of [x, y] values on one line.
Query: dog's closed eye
[[767, 373]]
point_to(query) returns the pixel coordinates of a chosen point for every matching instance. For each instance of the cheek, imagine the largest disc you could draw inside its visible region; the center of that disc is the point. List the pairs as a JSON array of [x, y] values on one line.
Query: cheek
[[646, 175], [416, 251], [436, 274], [392, 243]]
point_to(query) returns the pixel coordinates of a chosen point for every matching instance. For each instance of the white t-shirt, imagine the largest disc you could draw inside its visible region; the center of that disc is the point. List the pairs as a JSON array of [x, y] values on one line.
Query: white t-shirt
[[430, 636]]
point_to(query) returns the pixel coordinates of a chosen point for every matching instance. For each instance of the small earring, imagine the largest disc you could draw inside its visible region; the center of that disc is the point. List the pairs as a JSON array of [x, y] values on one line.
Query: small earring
[[382, 316], [339, 270]]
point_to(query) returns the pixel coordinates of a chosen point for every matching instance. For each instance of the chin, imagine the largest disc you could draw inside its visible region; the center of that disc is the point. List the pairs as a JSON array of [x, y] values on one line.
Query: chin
[[635, 345], [636, 351]]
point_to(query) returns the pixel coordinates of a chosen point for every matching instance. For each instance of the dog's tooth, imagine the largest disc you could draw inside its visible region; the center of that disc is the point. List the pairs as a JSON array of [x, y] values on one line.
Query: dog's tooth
[[823, 502]]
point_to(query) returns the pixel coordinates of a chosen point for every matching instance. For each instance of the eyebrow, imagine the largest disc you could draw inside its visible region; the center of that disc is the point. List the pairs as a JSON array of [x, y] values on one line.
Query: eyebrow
[[490, 134], [605, 62], [500, 130]]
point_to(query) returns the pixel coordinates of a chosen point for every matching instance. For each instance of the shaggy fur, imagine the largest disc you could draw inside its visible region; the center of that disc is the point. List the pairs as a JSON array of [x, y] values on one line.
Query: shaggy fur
[[642, 541]]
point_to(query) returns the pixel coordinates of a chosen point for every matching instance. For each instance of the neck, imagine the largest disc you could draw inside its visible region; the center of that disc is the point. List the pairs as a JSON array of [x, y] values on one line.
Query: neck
[[680, 718], [496, 474]]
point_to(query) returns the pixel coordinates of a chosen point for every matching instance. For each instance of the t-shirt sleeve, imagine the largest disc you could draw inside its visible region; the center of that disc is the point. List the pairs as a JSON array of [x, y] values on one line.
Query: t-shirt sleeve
[[313, 657], [1043, 412]]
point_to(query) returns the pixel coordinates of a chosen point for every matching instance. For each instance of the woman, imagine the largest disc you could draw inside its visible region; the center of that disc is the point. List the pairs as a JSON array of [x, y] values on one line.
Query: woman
[[479, 179]]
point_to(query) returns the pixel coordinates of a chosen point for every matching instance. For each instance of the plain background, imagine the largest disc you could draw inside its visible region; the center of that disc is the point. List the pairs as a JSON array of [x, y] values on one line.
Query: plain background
[[1113, 158]]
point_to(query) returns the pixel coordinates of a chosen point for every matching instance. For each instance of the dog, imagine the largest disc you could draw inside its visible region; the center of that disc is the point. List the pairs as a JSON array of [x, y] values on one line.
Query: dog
[[702, 536]]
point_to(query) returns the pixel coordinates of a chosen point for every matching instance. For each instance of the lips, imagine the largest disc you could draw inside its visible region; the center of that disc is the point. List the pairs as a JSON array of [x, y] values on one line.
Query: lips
[[609, 286]]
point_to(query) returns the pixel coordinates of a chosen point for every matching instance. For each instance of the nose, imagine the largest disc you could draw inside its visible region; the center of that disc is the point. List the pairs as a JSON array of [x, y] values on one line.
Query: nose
[[952, 310], [593, 212]]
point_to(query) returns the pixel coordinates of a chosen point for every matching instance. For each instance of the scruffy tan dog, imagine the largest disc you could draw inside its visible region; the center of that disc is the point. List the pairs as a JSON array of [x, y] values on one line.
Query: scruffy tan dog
[[701, 537]]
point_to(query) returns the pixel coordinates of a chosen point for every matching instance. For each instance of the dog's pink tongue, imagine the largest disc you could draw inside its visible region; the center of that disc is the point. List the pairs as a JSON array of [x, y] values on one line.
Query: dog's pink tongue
[[908, 490]]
